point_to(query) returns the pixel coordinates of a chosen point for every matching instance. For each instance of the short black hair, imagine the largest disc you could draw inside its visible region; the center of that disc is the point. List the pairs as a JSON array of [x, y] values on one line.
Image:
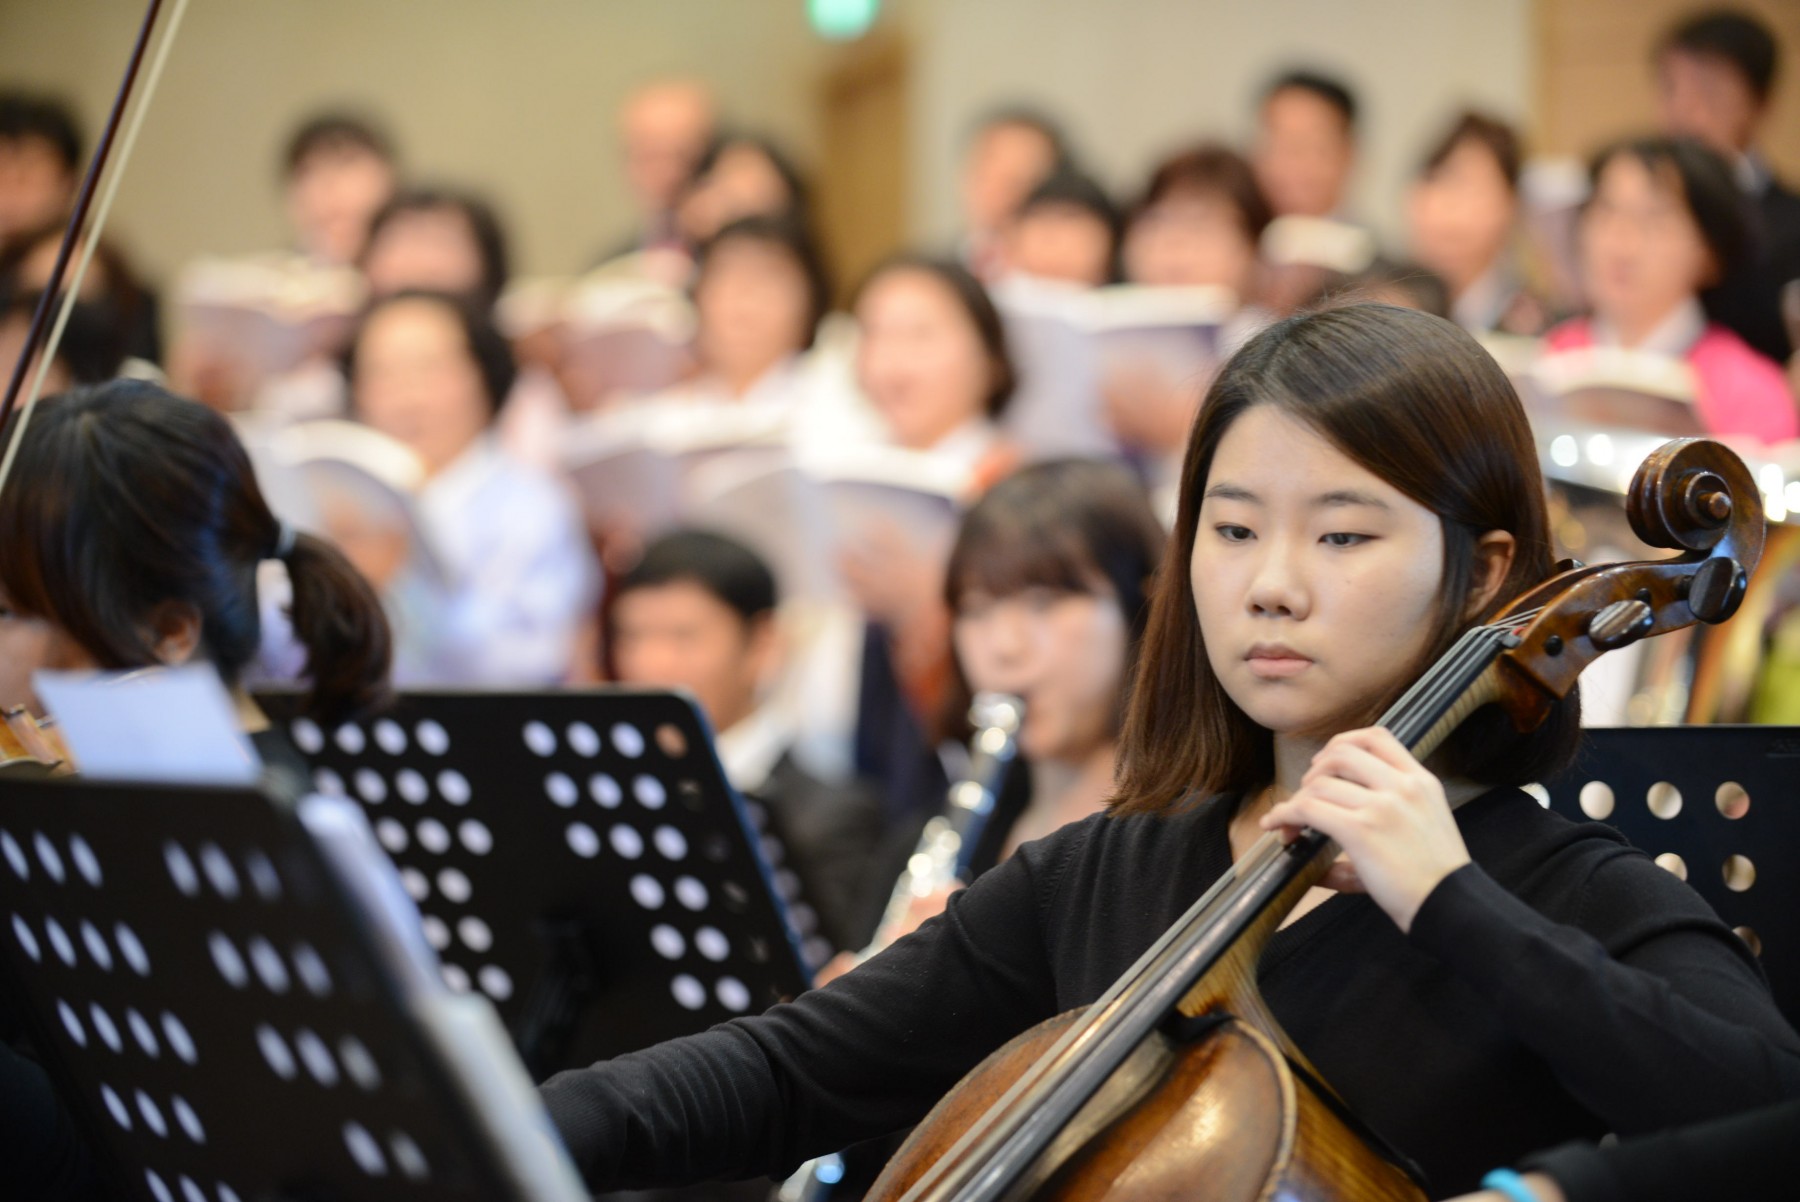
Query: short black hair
[[484, 225], [789, 235], [1734, 36], [335, 131], [488, 347], [92, 346], [26, 115], [1071, 187], [799, 195], [1332, 91], [1034, 119], [1705, 182], [1490, 133], [723, 566], [977, 305]]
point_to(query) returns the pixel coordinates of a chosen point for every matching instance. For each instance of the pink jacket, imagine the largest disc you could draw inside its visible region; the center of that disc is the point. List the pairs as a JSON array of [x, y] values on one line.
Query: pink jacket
[[1738, 390]]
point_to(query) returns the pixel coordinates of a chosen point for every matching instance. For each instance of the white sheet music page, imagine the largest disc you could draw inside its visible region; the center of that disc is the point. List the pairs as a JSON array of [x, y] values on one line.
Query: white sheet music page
[[162, 724]]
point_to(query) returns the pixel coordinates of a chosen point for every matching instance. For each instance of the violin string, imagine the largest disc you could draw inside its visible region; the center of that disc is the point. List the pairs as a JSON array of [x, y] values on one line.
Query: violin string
[[91, 241]]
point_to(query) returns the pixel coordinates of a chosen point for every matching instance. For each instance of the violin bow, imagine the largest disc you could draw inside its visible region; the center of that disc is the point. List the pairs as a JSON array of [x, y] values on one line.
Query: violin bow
[[43, 336]]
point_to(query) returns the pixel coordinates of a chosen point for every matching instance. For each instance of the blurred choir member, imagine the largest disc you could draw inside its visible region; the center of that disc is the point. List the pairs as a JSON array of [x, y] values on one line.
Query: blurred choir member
[[1009, 153], [337, 171], [1066, 230], [760, 291], [242, 346], [40, 163], [664, 128], [1199, 224], [429, 371], [1462, 212], [1305, 148], [933, 362], [1715, 73], [436, 239], [738, 176], [112, 288], [90, 351], [699, 612], [1665, 222]]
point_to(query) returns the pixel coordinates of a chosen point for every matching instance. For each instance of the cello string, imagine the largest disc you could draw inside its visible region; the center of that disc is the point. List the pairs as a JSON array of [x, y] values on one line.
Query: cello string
[[91, 238]]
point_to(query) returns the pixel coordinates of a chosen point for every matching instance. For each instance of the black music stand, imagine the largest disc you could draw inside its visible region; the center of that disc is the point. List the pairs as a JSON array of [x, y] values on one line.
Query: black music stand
[[233, 1014], [1718, 805], [577, 856]]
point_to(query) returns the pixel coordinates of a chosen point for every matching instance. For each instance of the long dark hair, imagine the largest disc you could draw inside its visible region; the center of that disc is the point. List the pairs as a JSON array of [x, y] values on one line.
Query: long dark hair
[[125, 498], [1418, 402], [1061, 525]]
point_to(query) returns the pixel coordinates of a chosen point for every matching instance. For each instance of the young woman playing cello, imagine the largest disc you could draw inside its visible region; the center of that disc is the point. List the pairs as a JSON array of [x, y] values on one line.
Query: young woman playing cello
[[1359, 488]]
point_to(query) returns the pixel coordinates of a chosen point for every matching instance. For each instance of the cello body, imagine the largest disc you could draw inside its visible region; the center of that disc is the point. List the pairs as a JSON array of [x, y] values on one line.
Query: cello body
[[1209, 1109]]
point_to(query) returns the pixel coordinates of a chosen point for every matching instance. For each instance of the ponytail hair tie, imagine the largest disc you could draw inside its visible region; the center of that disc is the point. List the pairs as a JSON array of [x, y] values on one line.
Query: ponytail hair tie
[[284, 541]]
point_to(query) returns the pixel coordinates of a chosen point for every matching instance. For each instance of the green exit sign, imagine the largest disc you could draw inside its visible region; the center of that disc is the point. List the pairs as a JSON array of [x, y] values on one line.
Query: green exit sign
[[842, 20]]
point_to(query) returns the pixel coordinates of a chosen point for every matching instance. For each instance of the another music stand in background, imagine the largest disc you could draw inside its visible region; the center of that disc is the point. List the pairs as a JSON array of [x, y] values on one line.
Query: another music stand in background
[[233, 1013], [1717, 805], [578, 857]]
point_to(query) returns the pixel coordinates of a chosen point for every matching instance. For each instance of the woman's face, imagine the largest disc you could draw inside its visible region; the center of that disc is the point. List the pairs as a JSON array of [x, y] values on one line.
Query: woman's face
[[417, 382], [1315, 581], [754, 305], [1190, 240], [1461, 214], [920, 361], [1063, 653], [1642, 253], [427, 249]]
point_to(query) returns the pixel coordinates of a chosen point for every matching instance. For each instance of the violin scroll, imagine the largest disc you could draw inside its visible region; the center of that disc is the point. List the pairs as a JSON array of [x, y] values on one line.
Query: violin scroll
[[1686, 493], [1690, 495]]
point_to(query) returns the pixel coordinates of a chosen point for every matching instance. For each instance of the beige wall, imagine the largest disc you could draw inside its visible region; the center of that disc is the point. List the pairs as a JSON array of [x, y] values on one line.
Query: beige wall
[[515, 96]]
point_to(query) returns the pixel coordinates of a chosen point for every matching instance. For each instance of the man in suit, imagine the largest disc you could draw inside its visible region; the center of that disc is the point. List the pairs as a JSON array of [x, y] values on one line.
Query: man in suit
[[1716, 72]]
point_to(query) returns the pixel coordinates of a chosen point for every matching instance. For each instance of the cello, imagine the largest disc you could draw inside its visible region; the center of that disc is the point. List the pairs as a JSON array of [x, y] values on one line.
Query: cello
[[1178, 1082]]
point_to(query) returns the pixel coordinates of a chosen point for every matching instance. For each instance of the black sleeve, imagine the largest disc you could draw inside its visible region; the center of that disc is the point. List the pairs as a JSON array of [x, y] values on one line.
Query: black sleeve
[[43, 1156], [1658, 1012], [868, 1054], [1751, 1157]]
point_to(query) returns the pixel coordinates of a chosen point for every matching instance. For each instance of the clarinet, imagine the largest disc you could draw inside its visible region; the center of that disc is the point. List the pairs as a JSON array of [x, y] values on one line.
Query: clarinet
[[947, 845], [940, 859]]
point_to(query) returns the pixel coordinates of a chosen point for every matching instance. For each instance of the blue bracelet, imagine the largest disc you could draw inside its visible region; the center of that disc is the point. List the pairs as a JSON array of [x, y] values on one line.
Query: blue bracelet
[[1510, 1184]]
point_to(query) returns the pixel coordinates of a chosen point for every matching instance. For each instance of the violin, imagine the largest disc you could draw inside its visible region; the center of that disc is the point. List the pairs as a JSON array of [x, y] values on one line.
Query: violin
[[1178, 1082], [30, 741]]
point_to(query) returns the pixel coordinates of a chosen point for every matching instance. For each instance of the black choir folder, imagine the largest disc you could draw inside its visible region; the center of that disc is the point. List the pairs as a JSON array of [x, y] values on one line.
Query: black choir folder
[[578, 858], [234, 998]]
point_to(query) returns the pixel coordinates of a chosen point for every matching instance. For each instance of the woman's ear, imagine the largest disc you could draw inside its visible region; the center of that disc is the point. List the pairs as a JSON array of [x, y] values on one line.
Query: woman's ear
[[1494, 553], [174, 630]]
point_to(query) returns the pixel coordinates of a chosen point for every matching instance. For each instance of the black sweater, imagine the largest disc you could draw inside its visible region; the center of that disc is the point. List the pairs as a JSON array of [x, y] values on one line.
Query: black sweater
[[1560, 987]]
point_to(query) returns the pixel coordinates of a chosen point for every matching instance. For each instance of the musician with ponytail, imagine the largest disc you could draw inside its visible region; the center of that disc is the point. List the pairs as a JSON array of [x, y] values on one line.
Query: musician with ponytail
[[133, 529]]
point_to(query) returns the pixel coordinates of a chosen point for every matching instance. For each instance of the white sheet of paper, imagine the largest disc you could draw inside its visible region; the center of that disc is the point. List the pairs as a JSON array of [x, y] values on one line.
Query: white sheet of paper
[[162, 724]]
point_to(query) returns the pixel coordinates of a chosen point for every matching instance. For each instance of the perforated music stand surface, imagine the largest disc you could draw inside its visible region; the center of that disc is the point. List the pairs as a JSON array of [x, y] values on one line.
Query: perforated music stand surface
[[213, 1007], [1697, 760], [577, 856]]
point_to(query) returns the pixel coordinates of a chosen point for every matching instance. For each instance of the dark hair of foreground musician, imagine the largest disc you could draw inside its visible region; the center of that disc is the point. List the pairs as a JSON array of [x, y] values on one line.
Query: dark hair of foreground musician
[[133, 527], [1493, 979]]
